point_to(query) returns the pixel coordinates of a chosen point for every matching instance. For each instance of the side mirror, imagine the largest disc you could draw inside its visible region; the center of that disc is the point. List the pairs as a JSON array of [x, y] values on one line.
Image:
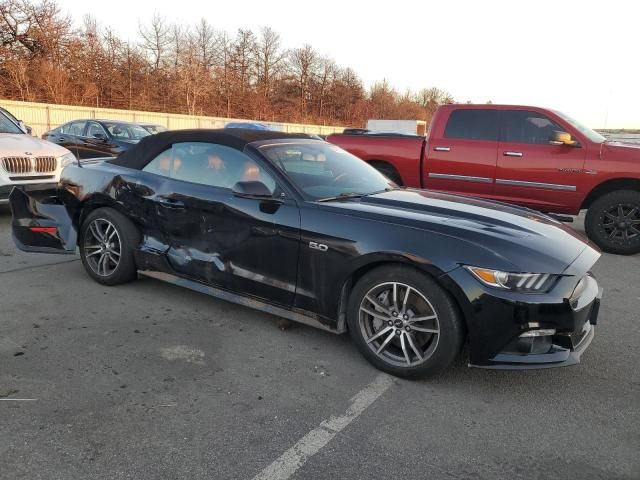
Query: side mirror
[[562, 138], [252, 190], [100, 136]]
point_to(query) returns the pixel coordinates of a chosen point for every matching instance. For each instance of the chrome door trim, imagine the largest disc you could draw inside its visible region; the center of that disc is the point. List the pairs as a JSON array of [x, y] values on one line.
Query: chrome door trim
[[446, 176], [522, 183]]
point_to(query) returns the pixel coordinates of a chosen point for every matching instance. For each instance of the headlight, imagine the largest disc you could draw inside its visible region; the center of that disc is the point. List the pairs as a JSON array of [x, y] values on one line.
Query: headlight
[[517, 282], [67, 159]]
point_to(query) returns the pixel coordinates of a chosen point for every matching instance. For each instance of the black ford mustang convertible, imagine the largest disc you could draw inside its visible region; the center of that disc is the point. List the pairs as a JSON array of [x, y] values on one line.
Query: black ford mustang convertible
[[299, 228]]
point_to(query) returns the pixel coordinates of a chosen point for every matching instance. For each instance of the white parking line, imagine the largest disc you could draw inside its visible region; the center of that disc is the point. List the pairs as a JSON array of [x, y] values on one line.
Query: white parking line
[[291, 460]]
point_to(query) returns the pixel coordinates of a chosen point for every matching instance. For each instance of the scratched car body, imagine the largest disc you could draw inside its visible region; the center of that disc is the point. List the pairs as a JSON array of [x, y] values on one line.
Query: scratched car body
[[297, 227]]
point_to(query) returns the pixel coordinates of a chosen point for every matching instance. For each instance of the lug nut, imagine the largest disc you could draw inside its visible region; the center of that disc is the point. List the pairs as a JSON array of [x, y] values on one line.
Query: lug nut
[[390, 323], [398, 332], [405, 316], [407, 328], [395, 314]]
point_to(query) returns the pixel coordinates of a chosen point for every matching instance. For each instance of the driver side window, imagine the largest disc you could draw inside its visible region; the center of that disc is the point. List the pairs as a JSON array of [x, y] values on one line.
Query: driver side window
[[521, 126], [209, 164]]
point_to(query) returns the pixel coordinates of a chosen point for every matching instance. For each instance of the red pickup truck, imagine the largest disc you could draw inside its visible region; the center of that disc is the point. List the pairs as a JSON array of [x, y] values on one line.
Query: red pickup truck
[[530, 156]]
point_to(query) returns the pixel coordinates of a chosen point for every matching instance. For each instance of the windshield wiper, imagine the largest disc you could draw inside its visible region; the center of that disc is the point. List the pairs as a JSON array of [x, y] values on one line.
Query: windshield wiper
[[342, 196], [388, 189], [348, 195]]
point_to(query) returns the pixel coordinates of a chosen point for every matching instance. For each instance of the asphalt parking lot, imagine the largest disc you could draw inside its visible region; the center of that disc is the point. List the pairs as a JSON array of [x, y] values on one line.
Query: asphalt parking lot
[[150, 381]]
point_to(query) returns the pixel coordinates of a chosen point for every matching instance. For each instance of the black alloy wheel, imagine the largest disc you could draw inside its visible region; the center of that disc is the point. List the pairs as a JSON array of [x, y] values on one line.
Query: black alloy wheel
[[613, 222]]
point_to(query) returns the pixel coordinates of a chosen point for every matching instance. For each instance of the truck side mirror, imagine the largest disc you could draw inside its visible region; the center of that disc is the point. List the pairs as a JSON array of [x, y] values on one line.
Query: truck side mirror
[[562, 138]]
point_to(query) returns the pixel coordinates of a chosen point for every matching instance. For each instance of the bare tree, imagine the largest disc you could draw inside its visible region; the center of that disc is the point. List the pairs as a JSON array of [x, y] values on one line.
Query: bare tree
[[430, 99], [304, 62], [325, 77], [270, 59], [155, 39], [191, 69]]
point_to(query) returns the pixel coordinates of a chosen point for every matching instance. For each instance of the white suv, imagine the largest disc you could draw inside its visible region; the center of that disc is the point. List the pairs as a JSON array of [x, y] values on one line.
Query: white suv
[[26, 160]]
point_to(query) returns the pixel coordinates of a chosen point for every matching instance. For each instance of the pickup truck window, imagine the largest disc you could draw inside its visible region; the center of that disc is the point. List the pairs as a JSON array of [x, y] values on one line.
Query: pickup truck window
[[521, 126], [586, 131], [474, 124]]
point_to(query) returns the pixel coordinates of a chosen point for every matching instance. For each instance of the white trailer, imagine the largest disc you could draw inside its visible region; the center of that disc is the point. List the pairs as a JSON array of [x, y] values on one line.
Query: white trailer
[[412, 127]]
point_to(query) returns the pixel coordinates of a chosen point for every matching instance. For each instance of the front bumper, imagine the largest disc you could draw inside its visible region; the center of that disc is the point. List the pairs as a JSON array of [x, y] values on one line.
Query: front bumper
[[564, 349], [499, 322], [5, 188]]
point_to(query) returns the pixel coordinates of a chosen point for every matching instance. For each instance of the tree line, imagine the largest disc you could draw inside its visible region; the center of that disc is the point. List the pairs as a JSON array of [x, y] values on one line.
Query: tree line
[[193, 69]]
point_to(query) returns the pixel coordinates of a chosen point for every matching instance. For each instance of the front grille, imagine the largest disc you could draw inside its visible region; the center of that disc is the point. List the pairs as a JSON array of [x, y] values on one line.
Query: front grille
[[17, 164], [23, 165], [45, 164]]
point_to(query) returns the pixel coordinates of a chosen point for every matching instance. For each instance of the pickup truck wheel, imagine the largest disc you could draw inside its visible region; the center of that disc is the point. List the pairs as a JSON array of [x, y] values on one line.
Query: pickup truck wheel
[[404, 323], [107, 243], [389, 172], [613, 222]]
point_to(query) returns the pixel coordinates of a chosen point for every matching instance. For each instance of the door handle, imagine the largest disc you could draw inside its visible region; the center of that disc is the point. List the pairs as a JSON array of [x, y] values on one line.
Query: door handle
[[170, 202], [513, 154], [442, 149]]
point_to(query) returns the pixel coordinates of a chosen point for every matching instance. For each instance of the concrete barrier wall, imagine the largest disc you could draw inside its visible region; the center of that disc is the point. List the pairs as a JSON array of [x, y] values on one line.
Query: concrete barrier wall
[[42, 117]]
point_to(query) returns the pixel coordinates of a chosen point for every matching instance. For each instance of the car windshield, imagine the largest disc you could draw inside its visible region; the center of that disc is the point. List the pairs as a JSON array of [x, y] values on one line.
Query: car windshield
[[7, 126], [124, 131], [586, 131], [323, 171]]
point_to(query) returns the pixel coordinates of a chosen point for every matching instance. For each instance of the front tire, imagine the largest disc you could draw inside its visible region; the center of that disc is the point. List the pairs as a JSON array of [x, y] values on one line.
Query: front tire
[[613, 222], [404, 323], [107, 243]]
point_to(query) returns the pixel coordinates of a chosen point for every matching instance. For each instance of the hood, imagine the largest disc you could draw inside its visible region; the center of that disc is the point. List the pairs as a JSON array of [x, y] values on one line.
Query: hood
[[20, 145], [523, 240], [621, 151]]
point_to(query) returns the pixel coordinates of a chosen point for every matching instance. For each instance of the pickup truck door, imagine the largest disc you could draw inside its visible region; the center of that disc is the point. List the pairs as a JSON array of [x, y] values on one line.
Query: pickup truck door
[[533, 172], [461, 153]]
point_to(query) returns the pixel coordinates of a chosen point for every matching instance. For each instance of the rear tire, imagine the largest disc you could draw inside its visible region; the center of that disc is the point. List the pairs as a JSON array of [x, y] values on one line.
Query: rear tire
[[417, 335], [388, 171], [107, 243], [613, 222]]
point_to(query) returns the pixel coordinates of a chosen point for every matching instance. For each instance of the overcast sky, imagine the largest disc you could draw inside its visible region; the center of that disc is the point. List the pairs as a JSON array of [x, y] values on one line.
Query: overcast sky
[[578, 57]]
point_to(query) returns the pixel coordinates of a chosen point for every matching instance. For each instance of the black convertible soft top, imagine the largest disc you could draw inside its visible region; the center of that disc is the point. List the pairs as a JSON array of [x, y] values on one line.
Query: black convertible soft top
[[150, 147]]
